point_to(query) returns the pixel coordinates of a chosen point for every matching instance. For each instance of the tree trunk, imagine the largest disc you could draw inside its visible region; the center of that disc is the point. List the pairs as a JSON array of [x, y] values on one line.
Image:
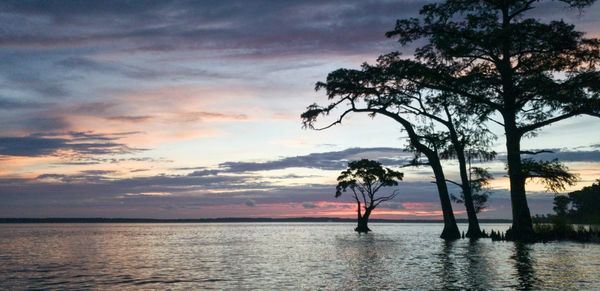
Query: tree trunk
[[450, 231], [363, 221], [522, 226], [474, 231]]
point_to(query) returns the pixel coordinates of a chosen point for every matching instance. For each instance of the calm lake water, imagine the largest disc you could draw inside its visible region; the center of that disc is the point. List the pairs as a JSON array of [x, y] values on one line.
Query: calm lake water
[[281, 256]]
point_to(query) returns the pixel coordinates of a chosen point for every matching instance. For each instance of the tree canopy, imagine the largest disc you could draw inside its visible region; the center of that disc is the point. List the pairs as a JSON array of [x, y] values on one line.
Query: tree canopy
[[516, 70], [486, 61], [365, 178], [581, 206]]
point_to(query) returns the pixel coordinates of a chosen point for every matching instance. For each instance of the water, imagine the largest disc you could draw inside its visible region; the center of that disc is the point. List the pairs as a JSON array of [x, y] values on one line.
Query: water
[[281, 256]]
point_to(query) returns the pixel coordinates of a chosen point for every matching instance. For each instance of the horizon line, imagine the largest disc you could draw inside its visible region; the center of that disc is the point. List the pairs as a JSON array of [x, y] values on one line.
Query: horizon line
[[224, 219]]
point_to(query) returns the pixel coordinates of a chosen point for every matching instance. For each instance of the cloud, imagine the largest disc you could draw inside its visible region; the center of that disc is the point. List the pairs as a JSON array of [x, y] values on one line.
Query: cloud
[[250, 203], [13, 103], [133, 119], [50, 123], [564, 155], [232, 25], [284, 27], [393, 205], [83, 143], [334, 160], [207, 116], [139, 71], [309, 205], [203, 172]]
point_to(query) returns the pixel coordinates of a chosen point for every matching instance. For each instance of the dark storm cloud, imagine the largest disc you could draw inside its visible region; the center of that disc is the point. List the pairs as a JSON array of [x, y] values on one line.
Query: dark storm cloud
[[50, 144], [335, 160]]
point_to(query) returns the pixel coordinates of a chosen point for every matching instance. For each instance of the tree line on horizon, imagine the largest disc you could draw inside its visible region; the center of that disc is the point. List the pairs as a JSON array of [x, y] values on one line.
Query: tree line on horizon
[[477, 62], [580, 206]]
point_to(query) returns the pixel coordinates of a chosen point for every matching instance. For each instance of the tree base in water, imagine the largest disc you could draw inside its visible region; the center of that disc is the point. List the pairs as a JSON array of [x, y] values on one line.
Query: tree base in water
[[551, 232], [450, 232], [362, 229], [477, 234]]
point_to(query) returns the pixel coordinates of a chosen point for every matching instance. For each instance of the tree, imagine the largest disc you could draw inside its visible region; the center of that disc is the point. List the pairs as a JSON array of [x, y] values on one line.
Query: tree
[[561, 205], [527, 73], [437, 124], [585, 204], [479, 178], [361, 90], [365, 178]]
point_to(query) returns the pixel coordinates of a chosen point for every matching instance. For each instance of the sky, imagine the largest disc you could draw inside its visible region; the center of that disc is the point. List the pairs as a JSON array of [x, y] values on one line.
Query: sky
[[191, 109]]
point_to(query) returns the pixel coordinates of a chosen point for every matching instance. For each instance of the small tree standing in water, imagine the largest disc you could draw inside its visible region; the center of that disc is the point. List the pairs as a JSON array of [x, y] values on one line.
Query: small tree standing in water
[[364, 178]]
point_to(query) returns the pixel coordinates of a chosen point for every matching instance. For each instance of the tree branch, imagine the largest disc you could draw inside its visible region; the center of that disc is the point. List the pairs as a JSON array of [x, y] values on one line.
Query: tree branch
[[453, 182], [534, 126]]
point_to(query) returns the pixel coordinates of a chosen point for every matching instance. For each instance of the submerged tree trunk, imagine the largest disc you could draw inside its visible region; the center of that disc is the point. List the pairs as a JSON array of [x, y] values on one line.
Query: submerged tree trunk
[[522, 226], [450, 231], [363, 221], [474, 230]]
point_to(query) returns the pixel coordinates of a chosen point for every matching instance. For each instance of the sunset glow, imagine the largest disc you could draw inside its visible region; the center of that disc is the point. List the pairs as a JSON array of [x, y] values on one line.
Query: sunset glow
[[180, 111]]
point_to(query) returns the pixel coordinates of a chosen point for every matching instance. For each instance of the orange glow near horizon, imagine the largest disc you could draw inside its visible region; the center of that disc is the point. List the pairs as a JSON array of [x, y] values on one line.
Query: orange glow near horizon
[[321, 209]]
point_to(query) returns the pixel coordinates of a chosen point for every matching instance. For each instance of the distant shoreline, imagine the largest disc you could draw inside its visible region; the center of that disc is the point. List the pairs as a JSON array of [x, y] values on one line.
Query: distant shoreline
[[226, 220]]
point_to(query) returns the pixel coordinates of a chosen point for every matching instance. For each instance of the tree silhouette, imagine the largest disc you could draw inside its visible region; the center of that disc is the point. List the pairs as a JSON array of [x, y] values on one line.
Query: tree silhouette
[[525, 73], [438, 125], [363, 93], [479, 179], [584, 204], [561, 205], [553, 174], [365, 178]]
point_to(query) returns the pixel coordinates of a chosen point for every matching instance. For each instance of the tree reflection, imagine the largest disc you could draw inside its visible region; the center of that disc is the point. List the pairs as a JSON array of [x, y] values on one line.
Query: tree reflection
[[479, 270], [448, 273], [365, 256], [465, 266], [523, 263]]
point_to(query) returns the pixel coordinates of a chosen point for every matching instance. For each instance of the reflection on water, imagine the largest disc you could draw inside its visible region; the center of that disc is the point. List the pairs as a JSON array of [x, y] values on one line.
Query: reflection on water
[[281, 256], [523, 263]]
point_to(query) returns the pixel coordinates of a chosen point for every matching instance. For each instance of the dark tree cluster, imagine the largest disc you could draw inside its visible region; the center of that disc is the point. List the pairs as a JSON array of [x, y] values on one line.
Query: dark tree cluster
[[581, 206], [481, 62]]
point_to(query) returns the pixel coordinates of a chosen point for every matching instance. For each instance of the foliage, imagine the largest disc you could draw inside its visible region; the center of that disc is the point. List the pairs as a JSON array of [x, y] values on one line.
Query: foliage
[[489, 59], [553, 174], [561, 205], [480, 180], [504, 63], [581, 206], [367, 177]]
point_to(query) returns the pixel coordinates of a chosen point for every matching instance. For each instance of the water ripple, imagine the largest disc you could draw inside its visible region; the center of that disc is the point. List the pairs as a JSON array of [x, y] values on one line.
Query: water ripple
[[281, 256]]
